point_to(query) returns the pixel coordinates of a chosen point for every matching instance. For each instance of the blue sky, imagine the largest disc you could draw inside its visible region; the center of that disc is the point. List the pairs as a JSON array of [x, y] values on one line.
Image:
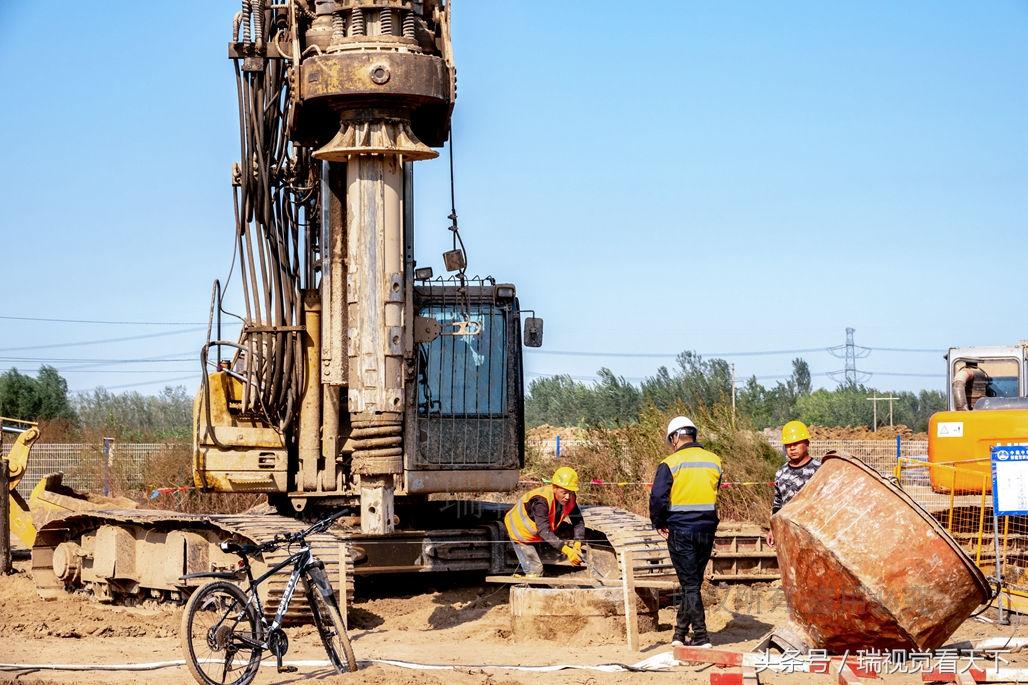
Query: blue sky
[[722, 177]]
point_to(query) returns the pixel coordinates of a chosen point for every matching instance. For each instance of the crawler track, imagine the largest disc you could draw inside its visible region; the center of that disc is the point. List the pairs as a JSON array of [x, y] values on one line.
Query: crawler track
[[132, 555], [740, 554]]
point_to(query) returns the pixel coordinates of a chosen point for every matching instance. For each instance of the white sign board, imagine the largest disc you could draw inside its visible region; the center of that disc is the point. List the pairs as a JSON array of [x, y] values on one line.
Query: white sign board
[[949, 429], [1010, 480]]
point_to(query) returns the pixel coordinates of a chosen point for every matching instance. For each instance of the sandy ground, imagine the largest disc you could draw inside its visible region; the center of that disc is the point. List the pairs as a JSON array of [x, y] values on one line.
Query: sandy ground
[[464, 624]]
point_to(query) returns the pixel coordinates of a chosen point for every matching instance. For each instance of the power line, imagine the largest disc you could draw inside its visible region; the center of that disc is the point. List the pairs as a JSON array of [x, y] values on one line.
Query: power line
[[637, 379], [757, 353], [101, 341], [55, 360], [911, 375], [764, 377], [189, 355], [166, 381], [110, 323], [137, 371], [859, 351]]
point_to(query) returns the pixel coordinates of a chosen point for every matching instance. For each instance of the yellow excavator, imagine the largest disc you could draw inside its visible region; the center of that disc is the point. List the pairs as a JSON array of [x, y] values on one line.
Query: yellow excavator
[[50, 498], [988, 407]]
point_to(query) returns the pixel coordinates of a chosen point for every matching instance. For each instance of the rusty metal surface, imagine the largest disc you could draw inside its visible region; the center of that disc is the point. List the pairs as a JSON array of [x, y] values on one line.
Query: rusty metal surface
[[376, 75], [864, 567]]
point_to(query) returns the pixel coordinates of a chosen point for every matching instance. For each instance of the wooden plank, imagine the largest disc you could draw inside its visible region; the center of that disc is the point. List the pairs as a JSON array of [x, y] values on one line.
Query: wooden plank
[[706, 655], [560, 581], [631, 611], [344, 607], [553, 581]]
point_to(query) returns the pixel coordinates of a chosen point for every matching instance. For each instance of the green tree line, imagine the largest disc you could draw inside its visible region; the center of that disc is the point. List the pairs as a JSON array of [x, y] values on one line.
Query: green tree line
[[611, 401], [126, 416], [696, 382]]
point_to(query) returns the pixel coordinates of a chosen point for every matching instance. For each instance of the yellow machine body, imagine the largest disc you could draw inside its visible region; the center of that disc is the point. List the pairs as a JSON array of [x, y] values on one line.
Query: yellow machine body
[[964, 439], [235, 453]]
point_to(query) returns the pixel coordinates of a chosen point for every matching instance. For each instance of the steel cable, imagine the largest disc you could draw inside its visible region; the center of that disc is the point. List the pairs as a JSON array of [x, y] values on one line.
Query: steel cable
[[274, 196]]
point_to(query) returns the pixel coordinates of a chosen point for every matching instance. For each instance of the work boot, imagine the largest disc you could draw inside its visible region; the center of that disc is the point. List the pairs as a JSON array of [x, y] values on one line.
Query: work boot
[[678, 640], [527, 576], [701, 641]]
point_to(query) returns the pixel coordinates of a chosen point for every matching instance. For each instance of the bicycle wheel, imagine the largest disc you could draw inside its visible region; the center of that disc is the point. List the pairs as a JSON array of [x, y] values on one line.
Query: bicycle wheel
[[330, 624], [220, 635]]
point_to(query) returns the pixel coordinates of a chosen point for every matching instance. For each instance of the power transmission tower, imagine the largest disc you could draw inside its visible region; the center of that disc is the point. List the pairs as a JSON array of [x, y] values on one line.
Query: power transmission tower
[[850, 352]]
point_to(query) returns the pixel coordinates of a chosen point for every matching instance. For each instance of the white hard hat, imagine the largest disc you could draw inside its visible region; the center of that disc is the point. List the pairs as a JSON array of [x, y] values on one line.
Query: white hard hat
[[678, 423]]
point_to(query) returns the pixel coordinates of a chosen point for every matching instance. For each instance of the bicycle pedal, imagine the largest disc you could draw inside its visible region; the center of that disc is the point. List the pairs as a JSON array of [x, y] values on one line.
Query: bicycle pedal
[[288, 669]]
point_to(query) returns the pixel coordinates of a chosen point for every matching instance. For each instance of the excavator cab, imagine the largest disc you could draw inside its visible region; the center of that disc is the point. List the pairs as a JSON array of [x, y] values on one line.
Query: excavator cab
[[979, 373], [466, 418]]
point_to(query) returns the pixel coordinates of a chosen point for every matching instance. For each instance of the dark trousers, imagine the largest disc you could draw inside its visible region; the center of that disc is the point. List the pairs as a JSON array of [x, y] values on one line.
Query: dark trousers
[[690, 551]]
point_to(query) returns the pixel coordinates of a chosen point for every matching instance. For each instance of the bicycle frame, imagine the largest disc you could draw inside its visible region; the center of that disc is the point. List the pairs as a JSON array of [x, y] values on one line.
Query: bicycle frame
[[301, 561]]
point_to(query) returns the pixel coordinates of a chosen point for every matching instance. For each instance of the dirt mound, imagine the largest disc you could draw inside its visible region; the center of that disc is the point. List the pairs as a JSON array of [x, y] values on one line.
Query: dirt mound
[[546, 432], [23, 613], [865, 433], [444, 609]]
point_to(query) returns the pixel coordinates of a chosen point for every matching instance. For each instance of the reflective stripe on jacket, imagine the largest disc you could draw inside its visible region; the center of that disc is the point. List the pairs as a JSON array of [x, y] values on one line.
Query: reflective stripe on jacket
[[697, 474], [518, 521]]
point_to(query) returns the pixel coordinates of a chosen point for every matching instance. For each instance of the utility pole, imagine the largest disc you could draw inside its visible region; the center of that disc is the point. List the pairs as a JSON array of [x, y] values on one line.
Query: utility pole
[[732, 367], [874, 401]]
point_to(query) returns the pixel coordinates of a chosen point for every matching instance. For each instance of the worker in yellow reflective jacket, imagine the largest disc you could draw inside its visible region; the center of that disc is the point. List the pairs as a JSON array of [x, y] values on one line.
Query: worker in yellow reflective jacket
[[683, 508], [537, 516]]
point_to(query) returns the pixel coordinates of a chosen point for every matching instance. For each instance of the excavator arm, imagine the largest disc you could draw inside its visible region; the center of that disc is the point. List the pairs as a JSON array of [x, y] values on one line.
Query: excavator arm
[[17, 461]]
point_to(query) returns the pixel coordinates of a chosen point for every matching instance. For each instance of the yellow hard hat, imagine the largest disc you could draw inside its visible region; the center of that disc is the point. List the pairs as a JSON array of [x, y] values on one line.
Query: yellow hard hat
[[794, 431], [565, 477]]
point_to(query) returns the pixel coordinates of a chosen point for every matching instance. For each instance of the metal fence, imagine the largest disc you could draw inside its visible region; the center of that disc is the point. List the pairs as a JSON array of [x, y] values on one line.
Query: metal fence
[[880, 455], [959, 497], [98, 468]]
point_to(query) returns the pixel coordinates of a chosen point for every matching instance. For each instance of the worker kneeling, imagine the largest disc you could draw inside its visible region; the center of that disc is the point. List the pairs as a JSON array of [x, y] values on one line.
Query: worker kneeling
[[537, 516]]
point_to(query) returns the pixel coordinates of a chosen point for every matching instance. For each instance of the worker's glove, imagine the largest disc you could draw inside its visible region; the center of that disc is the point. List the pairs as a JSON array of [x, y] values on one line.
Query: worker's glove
[[573, 555]]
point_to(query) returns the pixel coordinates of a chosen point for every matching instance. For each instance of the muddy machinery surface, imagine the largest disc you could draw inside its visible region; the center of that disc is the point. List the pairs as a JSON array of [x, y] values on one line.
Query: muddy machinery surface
[[358, 380]]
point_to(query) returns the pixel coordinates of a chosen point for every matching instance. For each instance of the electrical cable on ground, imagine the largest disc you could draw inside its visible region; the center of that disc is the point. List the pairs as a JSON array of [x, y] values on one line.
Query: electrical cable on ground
[[658, 662]]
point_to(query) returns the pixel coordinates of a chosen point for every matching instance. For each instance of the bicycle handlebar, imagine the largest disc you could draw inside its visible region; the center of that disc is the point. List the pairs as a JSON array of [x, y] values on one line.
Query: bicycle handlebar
[[322, 525], [282, 538]]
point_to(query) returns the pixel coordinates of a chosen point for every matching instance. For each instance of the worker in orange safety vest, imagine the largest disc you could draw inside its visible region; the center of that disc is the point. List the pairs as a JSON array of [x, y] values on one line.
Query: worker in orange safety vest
[[537, 516]]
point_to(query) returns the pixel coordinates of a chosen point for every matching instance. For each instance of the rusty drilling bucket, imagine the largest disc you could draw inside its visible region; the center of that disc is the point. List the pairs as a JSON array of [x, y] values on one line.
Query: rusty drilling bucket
[[865, 567]]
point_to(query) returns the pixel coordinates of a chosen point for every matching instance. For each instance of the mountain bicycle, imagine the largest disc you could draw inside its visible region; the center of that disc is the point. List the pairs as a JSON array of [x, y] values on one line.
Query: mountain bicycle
[[224, 631]]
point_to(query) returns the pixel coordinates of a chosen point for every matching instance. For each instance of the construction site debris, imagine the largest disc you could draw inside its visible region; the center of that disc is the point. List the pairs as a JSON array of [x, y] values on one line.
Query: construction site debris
[[574, 616], [863, 566]]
